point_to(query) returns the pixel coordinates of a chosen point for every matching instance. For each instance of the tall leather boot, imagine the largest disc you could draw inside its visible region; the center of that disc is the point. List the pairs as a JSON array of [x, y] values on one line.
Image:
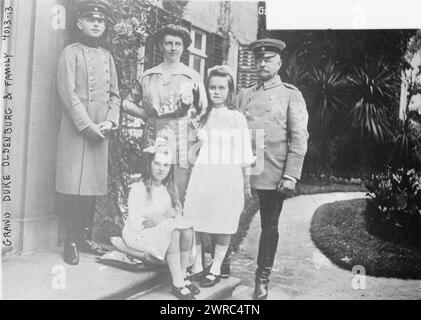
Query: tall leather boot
[[261, 289], [71, 224], [267, 249], [87, 216], [70, 252]]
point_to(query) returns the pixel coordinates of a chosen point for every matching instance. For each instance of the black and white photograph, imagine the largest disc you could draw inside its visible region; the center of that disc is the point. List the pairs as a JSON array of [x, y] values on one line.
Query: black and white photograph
[[192, 150]]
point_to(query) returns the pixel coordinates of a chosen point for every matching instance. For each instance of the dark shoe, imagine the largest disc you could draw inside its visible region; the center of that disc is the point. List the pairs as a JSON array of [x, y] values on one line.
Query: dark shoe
[[261, 291], [225, 270], [182, 293], [90, 246], [191, 286], [71, 253], [197, 276], [209, 280]]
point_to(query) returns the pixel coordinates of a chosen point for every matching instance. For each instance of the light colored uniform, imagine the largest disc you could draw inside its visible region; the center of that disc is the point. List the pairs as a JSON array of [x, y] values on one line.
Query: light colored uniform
[[280, 110], [88, 88]]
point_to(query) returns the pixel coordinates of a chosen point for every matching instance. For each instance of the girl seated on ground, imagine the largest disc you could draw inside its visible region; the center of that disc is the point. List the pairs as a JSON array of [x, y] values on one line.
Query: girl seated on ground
[[155, 224]]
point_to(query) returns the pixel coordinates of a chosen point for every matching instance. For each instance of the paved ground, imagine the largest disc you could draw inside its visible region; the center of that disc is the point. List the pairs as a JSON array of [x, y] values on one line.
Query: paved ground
[[45, 276], [301, 271]]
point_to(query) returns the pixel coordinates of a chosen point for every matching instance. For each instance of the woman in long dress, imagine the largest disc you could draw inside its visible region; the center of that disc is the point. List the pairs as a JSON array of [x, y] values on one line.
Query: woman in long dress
[[219, 180], [167, 97]]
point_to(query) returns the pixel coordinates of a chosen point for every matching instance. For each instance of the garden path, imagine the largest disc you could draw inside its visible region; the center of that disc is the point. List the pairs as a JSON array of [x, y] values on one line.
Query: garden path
[[301, 271]]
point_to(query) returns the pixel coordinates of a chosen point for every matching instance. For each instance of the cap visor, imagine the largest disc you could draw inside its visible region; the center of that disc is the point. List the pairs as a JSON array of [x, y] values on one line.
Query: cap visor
[[96, 15], [266, 54]]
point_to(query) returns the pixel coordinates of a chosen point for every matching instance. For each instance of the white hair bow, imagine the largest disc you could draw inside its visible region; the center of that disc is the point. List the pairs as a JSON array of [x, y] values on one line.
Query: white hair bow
[[223, 67]]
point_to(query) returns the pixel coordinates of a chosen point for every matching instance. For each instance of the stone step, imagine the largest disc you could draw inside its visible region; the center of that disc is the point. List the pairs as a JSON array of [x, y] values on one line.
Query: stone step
[[44, 276], [246, 293], [222, 290]]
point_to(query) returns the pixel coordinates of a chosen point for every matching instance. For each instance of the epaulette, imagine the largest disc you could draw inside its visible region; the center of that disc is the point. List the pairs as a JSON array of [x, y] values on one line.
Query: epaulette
[[73, 44], [290, 86]]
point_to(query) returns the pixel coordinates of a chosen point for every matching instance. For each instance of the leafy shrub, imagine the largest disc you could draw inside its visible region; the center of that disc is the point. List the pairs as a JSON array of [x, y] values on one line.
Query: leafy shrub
[[407, 142], [375, 87], [394, 205], [326, 82], [396, 190]]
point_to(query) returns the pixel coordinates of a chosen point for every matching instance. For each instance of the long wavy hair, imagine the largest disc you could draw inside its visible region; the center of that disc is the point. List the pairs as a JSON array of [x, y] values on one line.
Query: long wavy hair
[[231, 102], [168, 181]]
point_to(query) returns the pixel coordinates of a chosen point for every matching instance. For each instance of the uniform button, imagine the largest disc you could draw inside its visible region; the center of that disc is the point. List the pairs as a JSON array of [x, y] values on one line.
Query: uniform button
[[106, 71], [92, 79], [91, 89], [91, 69], [92, 100], [268, 109]]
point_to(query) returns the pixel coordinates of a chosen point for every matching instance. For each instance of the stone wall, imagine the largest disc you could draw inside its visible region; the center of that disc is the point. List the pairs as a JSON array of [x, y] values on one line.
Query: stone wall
[[36, 46]]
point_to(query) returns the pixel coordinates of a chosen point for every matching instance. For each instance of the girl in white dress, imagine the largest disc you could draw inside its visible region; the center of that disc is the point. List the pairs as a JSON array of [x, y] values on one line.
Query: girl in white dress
[[155, 225], [219, 179]]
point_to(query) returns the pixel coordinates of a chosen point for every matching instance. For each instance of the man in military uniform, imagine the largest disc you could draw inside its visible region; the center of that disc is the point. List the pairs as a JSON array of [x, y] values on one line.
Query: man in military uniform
[[279, 111], [88, 89]]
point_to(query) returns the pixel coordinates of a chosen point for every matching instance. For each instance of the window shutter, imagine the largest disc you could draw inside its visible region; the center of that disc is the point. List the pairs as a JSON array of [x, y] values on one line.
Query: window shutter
[[246, 73], [216, 50], [152, 53]]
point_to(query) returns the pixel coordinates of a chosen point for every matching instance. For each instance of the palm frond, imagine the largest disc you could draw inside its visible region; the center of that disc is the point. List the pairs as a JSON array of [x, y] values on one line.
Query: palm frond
[[326, 83], [375, 86]]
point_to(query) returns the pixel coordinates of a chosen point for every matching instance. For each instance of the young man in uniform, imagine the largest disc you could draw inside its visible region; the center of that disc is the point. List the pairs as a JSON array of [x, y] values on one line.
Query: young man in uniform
[[87, 85]]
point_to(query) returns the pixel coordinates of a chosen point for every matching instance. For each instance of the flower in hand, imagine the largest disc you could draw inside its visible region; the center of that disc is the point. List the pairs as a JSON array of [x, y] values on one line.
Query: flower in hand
[[186, 93]]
